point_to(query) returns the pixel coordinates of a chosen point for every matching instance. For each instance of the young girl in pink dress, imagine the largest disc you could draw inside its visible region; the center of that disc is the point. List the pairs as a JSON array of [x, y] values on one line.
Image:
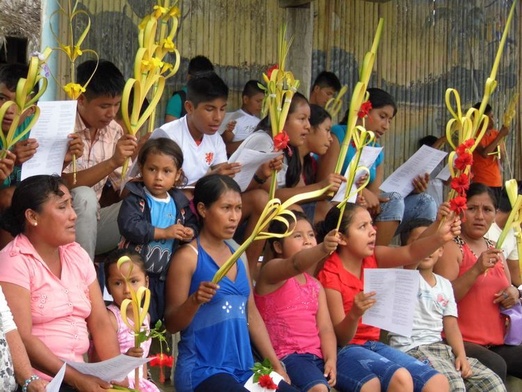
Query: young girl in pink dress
[[119, 289]]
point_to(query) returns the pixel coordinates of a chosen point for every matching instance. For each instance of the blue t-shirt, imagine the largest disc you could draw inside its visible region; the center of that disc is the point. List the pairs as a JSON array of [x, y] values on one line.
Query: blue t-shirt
[[175, 105], [339, 131], [162, 215]]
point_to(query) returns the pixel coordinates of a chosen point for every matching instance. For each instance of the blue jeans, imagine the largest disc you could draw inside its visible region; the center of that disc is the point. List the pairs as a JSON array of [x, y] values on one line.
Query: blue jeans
[[305, 370], [226, 382], [358, 364], [414, 206]]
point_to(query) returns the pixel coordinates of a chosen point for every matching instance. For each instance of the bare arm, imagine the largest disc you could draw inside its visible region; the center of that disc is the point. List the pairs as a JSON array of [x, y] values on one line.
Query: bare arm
[[454, 338], [180, 306], [125, 148], [41, 357], [276, 271], [491, 147], [22, 366], [327, 338]]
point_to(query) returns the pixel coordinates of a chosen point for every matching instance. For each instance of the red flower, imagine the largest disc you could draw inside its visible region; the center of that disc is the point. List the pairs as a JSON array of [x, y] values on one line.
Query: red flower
[[270, 69], [281, 141], [161, 360], [458, 204], [365, 109], [466, 145], [266, 381], [463, 160], [460, 184]]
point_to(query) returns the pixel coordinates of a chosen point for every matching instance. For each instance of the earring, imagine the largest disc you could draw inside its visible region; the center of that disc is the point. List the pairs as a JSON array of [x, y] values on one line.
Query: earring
[[35, 224]]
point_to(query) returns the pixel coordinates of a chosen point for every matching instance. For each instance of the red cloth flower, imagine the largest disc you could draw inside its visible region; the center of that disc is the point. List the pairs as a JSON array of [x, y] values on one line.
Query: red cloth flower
[[266, 381], [161, 360], [364, 109], [281, 141], [463, 160], [270, 69], [460, 184], [458, 204]]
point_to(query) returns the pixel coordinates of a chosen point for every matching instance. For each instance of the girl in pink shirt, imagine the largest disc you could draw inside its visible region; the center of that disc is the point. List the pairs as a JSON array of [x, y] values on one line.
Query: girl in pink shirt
[[293, 305]]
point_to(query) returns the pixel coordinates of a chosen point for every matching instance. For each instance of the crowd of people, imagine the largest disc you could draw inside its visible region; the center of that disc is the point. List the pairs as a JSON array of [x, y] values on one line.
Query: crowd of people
[[297, 301]]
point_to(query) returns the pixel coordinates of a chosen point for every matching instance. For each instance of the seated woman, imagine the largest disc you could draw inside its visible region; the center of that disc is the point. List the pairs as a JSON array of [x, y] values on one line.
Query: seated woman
[[217, 321], [481, 283], [50, 284], [389, 210], [291, 178]]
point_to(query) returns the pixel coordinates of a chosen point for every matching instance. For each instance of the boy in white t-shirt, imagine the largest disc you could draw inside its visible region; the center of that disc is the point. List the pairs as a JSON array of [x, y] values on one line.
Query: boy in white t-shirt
[[509, 247], [436, 313], [244, 126], [204, 151]]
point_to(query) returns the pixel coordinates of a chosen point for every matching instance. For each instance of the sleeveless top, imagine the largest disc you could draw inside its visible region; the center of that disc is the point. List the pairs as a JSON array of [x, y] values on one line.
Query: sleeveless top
[[217, 340], [292, 307], [479, 319], [126, 341]]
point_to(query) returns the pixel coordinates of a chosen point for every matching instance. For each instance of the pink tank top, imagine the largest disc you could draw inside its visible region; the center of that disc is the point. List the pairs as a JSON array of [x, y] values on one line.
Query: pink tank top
[[292, 307], [479, 319]]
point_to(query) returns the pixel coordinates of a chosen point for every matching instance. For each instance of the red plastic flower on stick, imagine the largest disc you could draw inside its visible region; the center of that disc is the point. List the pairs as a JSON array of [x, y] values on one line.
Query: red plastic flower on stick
[[364, 109], [265, 381], [465, 146], [281, 141], [460, 184], [270, 69], [463, 160], [458, 204]]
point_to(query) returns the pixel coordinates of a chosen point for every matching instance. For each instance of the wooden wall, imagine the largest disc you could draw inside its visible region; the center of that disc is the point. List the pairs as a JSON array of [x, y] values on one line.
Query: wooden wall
[[426, 47]]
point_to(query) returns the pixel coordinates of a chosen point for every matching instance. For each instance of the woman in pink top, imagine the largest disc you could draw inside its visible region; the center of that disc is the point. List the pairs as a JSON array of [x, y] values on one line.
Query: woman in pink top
[[293, 306], [50, 284], [480, 280]]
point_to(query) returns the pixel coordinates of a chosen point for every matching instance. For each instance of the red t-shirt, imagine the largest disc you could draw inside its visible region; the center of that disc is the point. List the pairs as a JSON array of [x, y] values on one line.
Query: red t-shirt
[[334, 276], [486, 170]]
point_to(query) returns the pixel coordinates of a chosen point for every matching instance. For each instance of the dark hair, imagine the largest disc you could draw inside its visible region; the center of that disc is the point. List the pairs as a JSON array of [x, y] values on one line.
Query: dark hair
[[504, 204], [278, 227], [107, 80], [477, 188], [331, 219], [10, 74], [165, 146], [379, 99], [327, 79], [31, 193], [318, 115], [115, 255], [251, 88], [199, 64], [294, 170], [206, 87], [488, 109], [412, 225], [209, 189], [428, 140], [291, 153]]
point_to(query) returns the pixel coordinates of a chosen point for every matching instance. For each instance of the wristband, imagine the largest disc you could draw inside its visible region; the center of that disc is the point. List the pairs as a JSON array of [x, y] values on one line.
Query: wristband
[[34, 377], [259, 180]]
